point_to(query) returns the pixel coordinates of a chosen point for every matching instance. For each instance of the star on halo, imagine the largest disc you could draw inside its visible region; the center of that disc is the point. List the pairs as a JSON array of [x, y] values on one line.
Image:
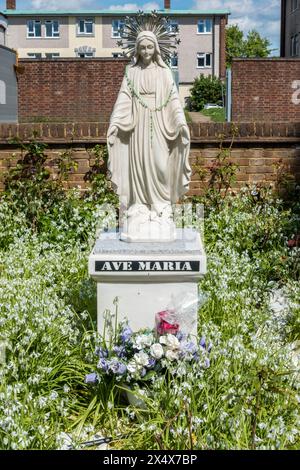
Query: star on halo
[[165, 32]]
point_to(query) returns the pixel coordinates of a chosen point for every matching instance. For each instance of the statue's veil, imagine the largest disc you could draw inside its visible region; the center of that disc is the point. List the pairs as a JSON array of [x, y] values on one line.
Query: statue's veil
[[151, 37]]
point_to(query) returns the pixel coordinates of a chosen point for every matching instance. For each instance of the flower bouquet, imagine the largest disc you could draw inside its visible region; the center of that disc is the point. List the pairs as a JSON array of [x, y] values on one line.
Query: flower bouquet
[[133, 358]]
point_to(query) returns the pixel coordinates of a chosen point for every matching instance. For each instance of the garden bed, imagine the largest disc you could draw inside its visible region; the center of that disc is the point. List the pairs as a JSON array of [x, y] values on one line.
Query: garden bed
[[246, 397]]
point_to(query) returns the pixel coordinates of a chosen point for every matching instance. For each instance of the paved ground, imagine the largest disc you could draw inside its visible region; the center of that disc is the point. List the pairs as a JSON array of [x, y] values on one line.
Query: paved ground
[[199, 117]]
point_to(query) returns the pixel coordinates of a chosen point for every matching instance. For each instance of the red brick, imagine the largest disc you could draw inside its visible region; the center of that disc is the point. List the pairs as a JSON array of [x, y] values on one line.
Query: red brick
[[262, 91]]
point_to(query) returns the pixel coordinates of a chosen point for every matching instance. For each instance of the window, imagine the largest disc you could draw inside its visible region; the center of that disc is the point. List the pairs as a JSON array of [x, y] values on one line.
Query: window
[[52, 28], [116, 27], [34, 55], [204, 26], [34, 29], [85, 54], [203, 60], [85, 51], [174, 61], [116, 55], [52, 55], [85, 26], [173, 26]]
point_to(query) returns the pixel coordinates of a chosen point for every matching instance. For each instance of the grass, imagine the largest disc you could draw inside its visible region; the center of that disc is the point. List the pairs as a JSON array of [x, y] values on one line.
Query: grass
[[248, 397], [217, 115]]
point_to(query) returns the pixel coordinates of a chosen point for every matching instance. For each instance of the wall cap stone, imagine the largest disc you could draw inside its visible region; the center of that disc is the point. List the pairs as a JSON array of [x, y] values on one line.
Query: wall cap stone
[[95, 132]]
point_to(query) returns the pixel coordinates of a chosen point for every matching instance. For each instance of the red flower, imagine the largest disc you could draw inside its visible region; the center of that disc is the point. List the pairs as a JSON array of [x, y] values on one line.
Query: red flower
[[163, 326]]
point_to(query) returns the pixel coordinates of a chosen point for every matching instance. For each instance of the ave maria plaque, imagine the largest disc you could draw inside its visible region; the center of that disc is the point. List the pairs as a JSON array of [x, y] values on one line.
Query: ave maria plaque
[[147, 266]]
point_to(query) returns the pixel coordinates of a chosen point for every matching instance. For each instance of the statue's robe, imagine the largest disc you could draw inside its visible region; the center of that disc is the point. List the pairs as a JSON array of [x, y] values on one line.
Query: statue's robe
[[148, 162]]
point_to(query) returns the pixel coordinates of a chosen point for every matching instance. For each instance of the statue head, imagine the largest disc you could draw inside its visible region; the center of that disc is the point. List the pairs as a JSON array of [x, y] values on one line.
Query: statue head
[[147, 49]]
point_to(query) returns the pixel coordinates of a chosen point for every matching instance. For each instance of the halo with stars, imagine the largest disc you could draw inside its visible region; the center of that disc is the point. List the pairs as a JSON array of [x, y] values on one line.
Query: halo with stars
[[161, 26]]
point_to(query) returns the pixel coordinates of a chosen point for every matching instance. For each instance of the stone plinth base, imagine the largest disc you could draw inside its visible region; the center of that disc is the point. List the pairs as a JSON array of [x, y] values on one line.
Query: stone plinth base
[[142, 279]]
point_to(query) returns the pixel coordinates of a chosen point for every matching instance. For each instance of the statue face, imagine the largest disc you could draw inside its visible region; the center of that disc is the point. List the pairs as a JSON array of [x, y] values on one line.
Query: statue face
[[146, 51]]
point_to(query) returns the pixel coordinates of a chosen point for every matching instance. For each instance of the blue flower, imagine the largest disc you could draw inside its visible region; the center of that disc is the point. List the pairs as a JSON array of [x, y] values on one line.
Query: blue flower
[[189, 347], [207, 362], [202, 342], [122, 369], [120, 351], [101, 352], [91, 378], [117, 367], [180, 336], [196, 356], [151, 363], [126, 334], [209, 347], [187, 350], [103, 364]]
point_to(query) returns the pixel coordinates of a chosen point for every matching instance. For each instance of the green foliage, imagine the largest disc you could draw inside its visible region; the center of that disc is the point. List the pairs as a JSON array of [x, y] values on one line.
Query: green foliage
[[205, 90], [100, 187], [40, 199], [29, 185], [234, 43], [216, 115], [249, 396], [219, 177], [254, 45]]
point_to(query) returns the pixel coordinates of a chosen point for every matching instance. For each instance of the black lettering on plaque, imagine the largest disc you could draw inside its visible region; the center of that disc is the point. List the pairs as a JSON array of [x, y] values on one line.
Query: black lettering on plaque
[[147, 266]]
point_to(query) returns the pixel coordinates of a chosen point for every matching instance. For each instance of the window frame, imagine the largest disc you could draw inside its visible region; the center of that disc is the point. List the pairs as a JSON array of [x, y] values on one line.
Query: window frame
[[172, 23], [204, 21], [117, 32], [54, 36], [56, 55], [174, 67], [32, 55], [86, 20], [34, 36], [204, 55], [86, 55]]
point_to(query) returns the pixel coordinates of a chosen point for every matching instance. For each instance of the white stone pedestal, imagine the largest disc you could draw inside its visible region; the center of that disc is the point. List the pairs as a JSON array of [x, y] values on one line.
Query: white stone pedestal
[[146, 277]]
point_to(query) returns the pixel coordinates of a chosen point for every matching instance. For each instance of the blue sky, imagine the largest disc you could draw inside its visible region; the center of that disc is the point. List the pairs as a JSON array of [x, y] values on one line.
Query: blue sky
[[263, 15]]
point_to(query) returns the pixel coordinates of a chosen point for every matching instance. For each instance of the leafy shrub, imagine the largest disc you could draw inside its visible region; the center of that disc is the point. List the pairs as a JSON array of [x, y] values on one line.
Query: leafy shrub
[[29, 185], [100, 186], [205, 90], [43, 203]]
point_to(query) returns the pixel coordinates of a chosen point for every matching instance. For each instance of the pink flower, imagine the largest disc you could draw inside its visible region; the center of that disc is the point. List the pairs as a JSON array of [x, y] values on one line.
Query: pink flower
[[163, 326]]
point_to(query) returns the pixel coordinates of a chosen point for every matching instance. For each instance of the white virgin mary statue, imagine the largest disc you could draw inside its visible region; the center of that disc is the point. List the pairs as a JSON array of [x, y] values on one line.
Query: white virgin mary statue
[[148, 144]]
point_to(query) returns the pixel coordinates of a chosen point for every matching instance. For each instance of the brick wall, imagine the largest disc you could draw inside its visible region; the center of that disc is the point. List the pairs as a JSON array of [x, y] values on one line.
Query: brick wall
[[262, 89], [257, 147], [68, 89]]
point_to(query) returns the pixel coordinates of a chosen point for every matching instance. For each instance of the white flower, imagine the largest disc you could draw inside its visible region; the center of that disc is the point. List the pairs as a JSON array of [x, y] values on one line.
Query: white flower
[[143, 341], [141, 358], [172, 355], [156, 351], [132, 366], [170, 341]]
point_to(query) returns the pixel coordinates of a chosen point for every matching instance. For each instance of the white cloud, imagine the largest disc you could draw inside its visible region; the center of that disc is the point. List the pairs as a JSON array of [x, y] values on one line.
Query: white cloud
[[59, 5], [249, 14], [133, 6]]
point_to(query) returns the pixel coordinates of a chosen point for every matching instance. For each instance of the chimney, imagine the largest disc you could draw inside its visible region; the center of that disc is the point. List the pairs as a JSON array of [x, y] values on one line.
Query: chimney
[[10, 4], [167, 4]]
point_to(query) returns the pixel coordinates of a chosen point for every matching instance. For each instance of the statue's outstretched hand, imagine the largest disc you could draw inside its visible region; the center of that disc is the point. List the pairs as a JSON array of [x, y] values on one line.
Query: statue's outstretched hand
[[185, 135], [112, 135]]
